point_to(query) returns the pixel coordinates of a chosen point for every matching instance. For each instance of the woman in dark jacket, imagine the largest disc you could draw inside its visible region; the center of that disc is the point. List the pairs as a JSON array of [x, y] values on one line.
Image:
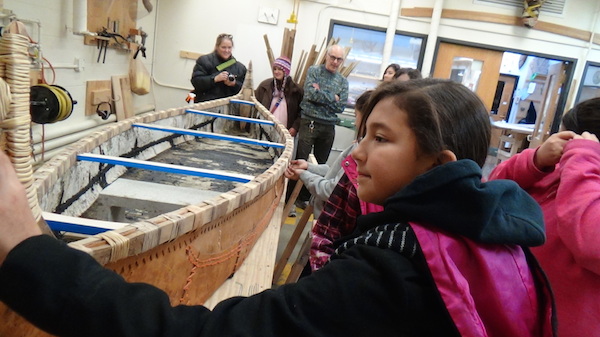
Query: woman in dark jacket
[[283, 104], [218, 74]]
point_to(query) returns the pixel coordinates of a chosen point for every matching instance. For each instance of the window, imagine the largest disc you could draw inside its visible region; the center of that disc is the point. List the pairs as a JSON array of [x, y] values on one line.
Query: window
[[367, 49], [590, 87]]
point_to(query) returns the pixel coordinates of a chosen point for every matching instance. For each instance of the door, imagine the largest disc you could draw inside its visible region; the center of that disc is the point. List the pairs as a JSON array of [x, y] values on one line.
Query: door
[[504, 96], [476, 68], [549, 103]]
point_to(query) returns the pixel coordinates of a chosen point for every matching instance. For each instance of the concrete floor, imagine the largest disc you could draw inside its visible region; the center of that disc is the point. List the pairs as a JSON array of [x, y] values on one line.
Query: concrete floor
[[286, 232]]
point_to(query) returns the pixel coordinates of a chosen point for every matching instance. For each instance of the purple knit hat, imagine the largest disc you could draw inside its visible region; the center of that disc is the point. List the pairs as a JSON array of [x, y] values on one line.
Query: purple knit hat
[[284, 63]]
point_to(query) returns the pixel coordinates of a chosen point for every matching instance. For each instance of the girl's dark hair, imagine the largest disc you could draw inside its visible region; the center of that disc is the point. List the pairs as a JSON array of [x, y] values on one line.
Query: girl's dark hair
[[443, 115], [396, 68], [585, 116], [362, 100], [412, 73]]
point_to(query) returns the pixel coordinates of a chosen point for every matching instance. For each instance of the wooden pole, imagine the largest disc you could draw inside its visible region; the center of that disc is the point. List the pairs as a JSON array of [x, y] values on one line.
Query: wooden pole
[[309, 62], [300, 66], [291, 37], [269, 50]]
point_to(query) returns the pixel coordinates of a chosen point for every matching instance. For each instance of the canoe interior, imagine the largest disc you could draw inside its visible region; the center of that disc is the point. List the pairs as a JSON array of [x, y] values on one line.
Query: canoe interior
[[72, 189]]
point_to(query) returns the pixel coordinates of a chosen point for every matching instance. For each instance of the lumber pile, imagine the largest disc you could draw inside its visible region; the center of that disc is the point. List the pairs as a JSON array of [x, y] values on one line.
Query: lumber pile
[[307, 59]]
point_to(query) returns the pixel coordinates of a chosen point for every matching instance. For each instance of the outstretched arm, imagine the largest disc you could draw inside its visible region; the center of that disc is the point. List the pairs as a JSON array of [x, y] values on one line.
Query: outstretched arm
[[17, 222]]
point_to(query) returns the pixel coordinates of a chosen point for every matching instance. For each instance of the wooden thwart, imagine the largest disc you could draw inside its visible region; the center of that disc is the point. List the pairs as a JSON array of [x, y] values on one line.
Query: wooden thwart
[[162, 167], [210, 135], [59, 222], [230, 117]]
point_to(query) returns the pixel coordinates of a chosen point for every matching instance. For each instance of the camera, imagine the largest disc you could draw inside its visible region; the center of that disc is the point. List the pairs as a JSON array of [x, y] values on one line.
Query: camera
[[231, 77]]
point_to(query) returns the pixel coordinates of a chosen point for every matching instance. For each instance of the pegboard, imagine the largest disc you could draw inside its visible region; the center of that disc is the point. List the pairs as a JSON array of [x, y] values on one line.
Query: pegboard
[[118, 16]]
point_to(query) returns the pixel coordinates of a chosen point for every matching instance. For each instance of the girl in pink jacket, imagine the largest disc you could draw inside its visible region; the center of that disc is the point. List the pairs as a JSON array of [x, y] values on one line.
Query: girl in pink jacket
[[563, 176]]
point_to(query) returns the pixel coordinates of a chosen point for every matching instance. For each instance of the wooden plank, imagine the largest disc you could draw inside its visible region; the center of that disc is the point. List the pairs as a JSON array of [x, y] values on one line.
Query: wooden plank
[[482, 16], [242, 101], [211, 135], [155, 192], [270, 56], [291, 43], [563, 30], [118, 104], [119, 14], [501, 19], [59, 222], [301, 260], [91, 86], [231, 117], [309, 62], [300, 65], [126, 96], [189, 55], [417, 12], [162, 167], [289, 248]]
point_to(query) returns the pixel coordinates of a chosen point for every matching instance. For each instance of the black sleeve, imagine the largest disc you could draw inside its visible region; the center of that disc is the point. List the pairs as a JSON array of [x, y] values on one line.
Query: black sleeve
[[203, 77], [368, 292]]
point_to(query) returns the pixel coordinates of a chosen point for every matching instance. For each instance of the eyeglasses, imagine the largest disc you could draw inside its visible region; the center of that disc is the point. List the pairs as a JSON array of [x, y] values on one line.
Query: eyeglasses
[[335, 59], [227, 36]]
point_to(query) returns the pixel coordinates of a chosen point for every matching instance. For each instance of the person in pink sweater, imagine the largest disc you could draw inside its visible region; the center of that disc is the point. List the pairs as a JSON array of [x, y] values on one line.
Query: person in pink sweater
[[563, 176]]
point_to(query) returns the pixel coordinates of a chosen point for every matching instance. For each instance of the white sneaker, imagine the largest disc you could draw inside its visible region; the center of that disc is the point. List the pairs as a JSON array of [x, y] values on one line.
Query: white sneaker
[[292, 213]]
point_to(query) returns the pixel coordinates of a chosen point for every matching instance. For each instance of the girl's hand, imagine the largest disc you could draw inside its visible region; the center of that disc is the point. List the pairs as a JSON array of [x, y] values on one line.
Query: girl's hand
[[588, 136], [299, 164], [549, 153], [17, 222], [292, 173]]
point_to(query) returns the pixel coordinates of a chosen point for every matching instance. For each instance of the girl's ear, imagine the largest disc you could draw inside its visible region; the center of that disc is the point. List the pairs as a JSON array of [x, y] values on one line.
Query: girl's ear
[[445, 156]]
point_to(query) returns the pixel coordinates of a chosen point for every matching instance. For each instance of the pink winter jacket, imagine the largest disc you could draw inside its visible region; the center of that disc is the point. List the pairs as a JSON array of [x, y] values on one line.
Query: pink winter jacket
[[489, 290], [570, 200]]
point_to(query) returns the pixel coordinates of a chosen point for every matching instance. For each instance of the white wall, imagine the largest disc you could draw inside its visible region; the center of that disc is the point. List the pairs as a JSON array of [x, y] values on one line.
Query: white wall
[[192, 25], [49, 22]]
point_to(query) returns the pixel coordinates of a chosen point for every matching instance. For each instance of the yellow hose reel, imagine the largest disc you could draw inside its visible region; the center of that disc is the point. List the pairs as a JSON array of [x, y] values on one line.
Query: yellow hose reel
[[50, 103]]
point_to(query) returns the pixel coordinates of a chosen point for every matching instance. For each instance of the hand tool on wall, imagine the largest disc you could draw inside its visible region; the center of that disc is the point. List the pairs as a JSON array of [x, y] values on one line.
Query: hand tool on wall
[[103, 40], [142, 46]]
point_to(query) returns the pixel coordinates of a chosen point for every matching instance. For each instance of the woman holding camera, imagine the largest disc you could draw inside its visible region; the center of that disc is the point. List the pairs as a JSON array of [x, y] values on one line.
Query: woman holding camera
[[218, 74]]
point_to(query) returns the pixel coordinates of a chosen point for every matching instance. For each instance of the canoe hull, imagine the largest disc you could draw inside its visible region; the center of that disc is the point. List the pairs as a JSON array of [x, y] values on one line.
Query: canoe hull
[[189, 252]]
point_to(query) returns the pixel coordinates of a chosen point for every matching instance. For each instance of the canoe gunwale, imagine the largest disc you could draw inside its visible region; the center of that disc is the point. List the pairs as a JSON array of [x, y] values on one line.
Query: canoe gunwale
[[187, 218]]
